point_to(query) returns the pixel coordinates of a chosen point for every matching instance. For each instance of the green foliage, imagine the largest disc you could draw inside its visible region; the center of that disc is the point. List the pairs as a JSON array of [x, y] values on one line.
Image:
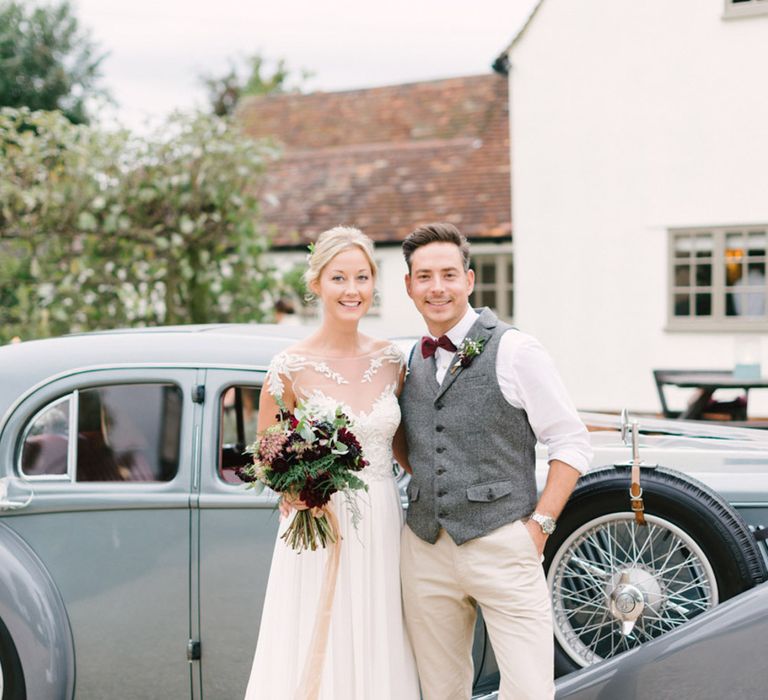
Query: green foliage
[[99, 230], [46, 61], [225, 91]]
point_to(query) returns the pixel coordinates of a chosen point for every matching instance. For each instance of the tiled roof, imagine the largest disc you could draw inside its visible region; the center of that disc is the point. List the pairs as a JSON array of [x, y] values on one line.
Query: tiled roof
[[388, 159]]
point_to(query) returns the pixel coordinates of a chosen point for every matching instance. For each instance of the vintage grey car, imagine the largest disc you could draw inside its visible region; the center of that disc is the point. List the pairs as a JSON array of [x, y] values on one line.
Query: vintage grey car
[[133, 562]]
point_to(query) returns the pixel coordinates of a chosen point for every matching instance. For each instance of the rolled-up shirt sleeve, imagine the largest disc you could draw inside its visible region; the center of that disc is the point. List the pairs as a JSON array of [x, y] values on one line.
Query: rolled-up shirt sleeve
[[528, 379]]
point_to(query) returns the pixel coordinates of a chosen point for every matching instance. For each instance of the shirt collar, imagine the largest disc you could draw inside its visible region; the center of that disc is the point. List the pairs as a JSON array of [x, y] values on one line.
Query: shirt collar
[[460, 330]]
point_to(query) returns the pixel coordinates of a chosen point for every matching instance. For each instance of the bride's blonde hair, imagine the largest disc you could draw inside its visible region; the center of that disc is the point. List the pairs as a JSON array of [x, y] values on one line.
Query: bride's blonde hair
[[332, 242]]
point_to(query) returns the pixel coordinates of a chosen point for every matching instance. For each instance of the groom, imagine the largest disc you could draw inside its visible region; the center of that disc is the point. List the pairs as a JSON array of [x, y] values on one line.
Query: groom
[[478, 397]]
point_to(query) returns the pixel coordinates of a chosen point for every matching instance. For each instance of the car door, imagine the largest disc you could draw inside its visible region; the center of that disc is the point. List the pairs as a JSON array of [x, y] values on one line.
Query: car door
[[107, 458], [236, 535]]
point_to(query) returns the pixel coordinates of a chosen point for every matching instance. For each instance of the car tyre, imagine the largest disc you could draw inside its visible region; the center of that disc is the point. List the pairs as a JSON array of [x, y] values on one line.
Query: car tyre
[[615, 584], [12, 685]]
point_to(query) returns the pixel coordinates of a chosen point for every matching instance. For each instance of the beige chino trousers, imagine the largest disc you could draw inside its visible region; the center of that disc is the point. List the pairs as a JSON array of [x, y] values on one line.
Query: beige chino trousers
[[442, 585]]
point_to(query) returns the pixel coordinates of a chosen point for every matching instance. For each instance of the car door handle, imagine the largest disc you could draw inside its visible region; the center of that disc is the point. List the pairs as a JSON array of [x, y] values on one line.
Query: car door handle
[[7, 504], [10, 503]]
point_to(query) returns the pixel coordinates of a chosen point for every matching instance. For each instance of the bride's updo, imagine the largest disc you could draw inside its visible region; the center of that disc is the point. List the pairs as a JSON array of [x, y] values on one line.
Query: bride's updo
[[332, 242]]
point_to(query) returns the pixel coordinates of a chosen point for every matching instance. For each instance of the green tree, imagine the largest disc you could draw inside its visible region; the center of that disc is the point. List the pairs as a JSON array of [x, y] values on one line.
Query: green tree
[[225, 91], [46, 61], [101, 229]]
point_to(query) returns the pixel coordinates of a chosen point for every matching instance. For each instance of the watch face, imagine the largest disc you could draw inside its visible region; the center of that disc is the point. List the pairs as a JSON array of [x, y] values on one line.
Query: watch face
[[547, 524]]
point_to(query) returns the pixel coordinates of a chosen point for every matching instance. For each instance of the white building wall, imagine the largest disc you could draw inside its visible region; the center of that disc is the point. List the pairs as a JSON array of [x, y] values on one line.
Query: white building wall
[[629, 118]]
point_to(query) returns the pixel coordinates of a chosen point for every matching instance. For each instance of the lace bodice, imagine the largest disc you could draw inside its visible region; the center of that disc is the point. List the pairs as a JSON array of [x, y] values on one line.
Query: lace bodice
[[363, 386]]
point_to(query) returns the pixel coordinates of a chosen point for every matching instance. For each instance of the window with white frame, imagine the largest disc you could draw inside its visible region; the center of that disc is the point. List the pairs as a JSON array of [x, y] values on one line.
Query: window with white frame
[[494, 283], [745, 8], [718, 278]]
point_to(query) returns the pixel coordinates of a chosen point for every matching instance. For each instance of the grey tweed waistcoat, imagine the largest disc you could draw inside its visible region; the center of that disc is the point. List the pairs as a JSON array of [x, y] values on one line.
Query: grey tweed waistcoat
[[472, 453]]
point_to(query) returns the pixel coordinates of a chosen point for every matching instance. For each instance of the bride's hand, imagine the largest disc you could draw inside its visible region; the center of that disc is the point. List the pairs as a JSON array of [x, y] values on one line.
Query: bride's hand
[[289, 502]]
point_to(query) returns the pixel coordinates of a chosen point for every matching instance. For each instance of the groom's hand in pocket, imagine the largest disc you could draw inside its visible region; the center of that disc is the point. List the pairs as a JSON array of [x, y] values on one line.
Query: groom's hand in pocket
[[537, 535]]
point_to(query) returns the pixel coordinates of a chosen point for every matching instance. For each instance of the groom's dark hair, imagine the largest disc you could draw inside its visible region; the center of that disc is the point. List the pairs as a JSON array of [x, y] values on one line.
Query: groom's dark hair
[[435, 233]]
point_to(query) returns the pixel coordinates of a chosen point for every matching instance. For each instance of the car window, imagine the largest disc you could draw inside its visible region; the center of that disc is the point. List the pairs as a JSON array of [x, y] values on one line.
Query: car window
[[239, 414], [46, 446], [123, 433]]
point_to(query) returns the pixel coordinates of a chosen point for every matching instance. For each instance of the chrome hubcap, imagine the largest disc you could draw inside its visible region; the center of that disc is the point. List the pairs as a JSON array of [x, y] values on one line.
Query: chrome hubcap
[[616, 585]]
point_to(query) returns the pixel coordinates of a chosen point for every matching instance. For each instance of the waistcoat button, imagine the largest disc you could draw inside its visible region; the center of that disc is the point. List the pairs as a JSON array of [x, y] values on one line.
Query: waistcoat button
[[439, 428], [439, 450]]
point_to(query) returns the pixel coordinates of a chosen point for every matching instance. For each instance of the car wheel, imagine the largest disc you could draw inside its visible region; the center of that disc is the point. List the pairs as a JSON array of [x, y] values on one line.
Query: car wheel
[[616, 584], [11, 674]]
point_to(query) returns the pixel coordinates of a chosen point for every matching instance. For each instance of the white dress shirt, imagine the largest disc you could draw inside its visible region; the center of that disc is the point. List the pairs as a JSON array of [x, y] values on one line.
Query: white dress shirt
[[529, 380]]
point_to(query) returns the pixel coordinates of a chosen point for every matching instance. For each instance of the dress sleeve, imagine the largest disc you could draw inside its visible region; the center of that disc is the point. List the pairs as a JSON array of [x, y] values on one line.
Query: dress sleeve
[[278, 374], [395, 355]]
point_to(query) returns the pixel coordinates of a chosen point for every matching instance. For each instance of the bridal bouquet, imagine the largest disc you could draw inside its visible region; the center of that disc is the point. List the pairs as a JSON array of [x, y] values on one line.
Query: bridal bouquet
[[310, 456]]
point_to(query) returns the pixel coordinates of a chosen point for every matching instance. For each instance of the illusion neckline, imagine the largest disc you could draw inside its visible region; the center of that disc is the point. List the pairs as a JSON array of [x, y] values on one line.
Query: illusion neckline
[[319, 356]]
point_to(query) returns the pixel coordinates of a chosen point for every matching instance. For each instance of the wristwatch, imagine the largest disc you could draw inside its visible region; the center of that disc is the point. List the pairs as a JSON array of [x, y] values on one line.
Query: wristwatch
[[546, 523]]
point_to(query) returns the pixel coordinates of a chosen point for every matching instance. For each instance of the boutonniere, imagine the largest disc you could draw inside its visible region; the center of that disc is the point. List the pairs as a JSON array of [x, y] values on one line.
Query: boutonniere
[[469, 349]]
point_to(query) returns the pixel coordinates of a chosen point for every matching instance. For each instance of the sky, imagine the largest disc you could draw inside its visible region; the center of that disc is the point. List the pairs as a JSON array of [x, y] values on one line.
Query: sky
[[157, 49]]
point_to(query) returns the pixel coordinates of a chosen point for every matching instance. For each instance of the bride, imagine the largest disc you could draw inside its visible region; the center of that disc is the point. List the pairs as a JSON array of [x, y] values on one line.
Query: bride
[[368, 654]]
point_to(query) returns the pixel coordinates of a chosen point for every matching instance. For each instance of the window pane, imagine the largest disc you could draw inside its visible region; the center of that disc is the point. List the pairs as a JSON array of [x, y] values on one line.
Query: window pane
[[743, 304], [704, 304], [734, 241], [704, 275], [511, 302], [487, 297], [488, 272], [755, 273], [733, 272], [510, 271], [129, 433], [756, 244], [683, 246], [239, 413], [682, 275], [682, 305], [47, 441], [704, 245]]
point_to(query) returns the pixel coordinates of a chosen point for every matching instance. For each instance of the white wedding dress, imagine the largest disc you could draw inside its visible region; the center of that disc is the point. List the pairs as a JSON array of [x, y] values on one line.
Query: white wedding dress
[[368, 655]]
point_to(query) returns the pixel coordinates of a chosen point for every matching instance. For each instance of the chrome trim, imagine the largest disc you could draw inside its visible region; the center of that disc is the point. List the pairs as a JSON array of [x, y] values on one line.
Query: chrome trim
[[74, 410], [20, 448], [748, 438]]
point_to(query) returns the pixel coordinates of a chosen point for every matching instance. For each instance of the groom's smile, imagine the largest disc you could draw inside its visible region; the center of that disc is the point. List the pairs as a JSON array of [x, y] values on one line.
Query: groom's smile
[[439, 286]]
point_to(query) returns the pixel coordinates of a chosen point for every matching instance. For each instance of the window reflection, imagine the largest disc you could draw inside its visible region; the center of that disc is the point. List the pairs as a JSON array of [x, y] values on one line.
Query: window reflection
[[124, 433]]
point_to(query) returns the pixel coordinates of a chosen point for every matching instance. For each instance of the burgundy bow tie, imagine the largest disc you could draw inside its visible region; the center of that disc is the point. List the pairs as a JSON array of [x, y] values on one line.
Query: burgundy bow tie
[[429, 345]]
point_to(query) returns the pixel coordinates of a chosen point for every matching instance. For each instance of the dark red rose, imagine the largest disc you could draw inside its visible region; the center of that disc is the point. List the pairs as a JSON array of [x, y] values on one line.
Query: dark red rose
[[280, 465], [317, 491], [348, 438], [466, 361], [315, 452], [353, 458]]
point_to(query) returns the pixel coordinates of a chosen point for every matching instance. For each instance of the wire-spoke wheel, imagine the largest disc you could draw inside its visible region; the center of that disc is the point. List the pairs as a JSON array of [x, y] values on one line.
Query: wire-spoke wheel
[[616, 584]]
